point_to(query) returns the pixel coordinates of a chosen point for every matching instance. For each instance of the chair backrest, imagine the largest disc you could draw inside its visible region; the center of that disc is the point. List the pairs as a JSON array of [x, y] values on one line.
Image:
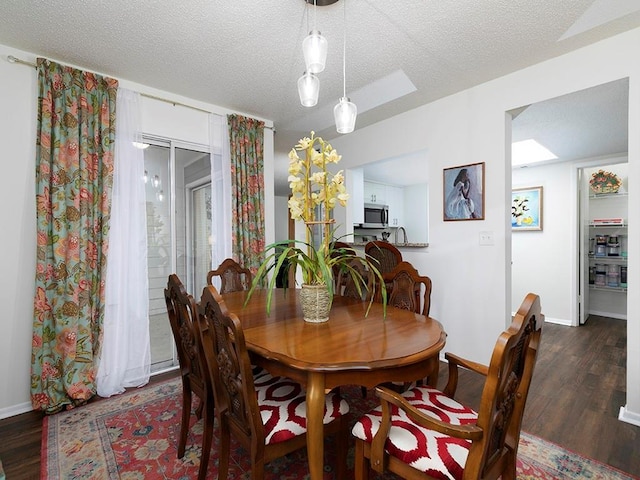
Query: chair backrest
[[338, 249], [348, 287], [505, 390], [408, 289], [183, 313], [233, 276], [386, 255], [229, 365]]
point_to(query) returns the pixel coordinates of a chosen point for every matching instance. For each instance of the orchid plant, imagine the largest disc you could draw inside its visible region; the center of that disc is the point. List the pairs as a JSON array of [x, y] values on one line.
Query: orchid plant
[[314, 189], [312, 186]]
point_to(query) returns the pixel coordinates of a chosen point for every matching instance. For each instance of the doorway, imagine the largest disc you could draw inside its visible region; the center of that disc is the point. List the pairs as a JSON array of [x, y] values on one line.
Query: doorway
[[587, 127]]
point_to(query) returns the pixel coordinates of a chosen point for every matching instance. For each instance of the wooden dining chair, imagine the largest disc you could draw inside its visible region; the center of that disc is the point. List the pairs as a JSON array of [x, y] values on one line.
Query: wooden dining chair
[[426, 434], [233, 276], [338, 249], [408, 289], [385, 254], [183, 317], [352, 287], [266, 414]]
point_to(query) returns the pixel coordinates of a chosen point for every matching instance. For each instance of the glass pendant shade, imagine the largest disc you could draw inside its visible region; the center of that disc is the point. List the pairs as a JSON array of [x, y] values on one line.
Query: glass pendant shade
[[314, 48], [345, 114], [308, 89]]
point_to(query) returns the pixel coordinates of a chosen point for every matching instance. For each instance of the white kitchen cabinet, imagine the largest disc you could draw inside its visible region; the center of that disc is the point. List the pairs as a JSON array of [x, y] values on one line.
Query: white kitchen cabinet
[[375, 193], [390, 195], [395, 200]]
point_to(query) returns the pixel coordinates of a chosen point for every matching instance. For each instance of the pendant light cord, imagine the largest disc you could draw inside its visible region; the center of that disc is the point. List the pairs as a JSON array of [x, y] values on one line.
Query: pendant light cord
[[315, 15], [344, 50]]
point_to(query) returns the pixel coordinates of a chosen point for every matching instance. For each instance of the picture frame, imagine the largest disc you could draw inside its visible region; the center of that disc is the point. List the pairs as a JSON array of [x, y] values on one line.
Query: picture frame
[[463, 192], [526, 209]]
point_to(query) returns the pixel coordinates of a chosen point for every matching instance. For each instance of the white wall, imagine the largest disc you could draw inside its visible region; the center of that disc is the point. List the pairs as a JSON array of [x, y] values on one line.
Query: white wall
[[542, 261], [18, 98], [472, 283]]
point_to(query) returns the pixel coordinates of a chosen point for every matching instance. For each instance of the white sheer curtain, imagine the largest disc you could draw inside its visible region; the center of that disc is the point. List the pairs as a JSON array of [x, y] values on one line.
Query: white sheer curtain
[[220, 191], [125, 359]]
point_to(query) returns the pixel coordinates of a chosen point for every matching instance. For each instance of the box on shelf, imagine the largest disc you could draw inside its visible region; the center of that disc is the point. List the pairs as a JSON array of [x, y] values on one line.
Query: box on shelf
[[607, 221]]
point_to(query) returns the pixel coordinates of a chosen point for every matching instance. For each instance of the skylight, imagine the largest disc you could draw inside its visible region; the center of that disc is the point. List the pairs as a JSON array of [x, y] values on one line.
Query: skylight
[[529, 151]]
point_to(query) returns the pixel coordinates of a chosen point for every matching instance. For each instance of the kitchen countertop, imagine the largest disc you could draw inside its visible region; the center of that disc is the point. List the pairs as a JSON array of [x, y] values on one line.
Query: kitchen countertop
[[397, 245]]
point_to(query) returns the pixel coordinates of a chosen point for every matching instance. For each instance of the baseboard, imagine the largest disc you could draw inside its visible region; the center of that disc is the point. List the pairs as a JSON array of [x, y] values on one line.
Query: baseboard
[[15, 410], [558, 321], [629, 417], [608, 314]]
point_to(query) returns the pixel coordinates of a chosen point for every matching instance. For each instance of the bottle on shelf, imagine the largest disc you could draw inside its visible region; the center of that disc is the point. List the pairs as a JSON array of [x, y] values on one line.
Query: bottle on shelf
[[623, 245], [623, 276], [613, 246], [600, 274], [613, 275], [601, 246]]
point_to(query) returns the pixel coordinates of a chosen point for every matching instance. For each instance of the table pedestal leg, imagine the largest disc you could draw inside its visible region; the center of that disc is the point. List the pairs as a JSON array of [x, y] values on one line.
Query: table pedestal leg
[[315, 431], [435, 369]]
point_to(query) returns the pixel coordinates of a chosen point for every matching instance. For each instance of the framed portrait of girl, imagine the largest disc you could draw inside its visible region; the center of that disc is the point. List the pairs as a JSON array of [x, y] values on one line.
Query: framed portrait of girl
[[464, 192]]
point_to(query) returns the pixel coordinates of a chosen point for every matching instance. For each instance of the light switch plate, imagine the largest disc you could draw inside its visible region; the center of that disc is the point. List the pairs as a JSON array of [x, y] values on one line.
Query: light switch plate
[[486, 238]]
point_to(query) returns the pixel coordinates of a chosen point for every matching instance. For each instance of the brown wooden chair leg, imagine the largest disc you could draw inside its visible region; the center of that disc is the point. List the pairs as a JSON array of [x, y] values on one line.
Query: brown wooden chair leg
[[199, 409], [184, 422], [207, 436], [257, 468], [509, 472], [225, 452], [342, 444], [361, 462]]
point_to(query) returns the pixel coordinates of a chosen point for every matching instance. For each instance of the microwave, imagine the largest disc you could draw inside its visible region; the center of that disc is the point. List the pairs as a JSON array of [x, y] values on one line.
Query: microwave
[[375, 215]]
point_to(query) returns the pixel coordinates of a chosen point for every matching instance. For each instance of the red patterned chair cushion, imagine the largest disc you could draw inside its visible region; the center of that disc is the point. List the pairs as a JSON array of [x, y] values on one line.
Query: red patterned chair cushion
[[283, 407], [434, 453]]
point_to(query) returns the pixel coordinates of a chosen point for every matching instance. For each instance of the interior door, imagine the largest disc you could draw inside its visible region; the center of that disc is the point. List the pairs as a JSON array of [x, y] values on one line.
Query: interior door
[[583, 248]]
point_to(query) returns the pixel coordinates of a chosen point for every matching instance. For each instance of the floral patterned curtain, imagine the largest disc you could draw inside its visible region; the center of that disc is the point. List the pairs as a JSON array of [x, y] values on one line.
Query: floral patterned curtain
[[74, 173], [246, 138]]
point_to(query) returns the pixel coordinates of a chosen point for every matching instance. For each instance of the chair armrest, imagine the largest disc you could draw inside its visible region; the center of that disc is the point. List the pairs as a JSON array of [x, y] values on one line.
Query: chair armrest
[[455, 361], [468, 432]]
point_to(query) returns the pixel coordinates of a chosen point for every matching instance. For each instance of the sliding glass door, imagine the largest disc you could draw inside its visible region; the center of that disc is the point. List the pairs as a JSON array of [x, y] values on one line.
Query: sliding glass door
[[200, 230], [178, 194]]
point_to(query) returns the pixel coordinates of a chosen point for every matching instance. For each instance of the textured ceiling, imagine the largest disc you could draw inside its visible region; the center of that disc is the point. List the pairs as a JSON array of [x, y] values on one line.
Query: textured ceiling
[[246, 55], [589, 123]]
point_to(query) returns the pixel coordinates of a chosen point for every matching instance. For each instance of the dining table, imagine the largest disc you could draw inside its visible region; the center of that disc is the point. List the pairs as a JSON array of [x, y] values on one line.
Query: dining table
[[362, 344]]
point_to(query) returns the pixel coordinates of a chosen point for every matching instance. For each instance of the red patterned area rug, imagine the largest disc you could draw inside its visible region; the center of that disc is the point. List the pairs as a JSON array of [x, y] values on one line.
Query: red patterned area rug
[[134, 436]]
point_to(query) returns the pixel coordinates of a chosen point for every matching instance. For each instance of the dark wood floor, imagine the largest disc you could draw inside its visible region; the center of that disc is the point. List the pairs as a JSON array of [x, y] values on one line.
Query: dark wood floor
[[578, 388]]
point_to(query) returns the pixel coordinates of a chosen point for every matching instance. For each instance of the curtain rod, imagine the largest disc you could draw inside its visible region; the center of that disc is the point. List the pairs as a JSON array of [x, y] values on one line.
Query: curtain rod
[[12, 59], [173, 102]]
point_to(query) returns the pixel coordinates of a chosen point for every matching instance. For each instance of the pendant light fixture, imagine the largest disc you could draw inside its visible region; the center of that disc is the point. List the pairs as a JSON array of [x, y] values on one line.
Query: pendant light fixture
[[345, 111], [314, 47], [308, 89]]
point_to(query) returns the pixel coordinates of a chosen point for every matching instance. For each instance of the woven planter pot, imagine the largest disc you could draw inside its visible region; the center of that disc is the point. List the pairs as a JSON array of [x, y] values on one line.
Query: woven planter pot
[[316, 303]]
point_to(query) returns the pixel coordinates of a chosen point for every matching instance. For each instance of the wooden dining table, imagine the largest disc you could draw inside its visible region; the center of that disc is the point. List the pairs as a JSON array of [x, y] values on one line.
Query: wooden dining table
[[352, 348]]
